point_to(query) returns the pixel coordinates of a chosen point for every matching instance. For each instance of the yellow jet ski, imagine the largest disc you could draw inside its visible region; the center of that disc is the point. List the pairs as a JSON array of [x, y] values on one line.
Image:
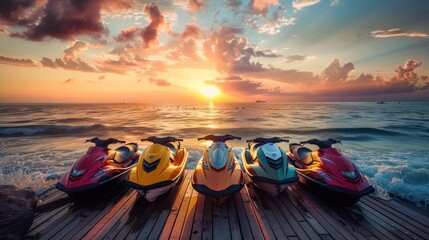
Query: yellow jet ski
[[159, 168]]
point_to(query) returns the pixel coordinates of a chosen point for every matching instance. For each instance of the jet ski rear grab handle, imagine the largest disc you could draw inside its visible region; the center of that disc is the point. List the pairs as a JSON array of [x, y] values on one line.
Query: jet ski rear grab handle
[[104, 142], [322, 144], [268, 140], [221, 138], [155, 139]]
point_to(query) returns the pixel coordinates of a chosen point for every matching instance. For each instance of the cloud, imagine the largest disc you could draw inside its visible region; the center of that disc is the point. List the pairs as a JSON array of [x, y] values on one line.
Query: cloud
[[80, 18], [397, 32], [293, 58], [337, 73], [233, 3], [273, 27], [196, 5], [128, 34], [300, 4], [151, 31], [260, 7], [16, 13], [68, 64], [192, 31], [21, 62], [237, 85], [160, 82], [335, 3], [77, 47], [102, 77], [69, 80]]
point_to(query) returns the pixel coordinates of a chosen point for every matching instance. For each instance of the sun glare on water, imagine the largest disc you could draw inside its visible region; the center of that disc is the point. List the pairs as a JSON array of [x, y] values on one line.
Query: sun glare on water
[[210, 91]]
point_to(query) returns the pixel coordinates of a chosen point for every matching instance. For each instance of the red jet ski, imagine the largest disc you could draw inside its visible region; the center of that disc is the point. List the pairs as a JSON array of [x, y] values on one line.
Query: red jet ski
[[332, 173], [98, 167]]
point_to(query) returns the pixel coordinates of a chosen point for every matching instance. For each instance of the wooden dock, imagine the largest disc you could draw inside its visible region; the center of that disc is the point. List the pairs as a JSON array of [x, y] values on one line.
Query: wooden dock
[[184, 214]]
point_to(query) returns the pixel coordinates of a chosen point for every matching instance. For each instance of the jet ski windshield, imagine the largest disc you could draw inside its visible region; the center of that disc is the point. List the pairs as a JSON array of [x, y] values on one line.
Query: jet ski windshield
[[221, 138], [321, 144]]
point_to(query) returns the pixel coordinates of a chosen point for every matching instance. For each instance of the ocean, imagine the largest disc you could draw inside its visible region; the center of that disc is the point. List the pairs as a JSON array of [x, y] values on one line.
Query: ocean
[[388, 142]]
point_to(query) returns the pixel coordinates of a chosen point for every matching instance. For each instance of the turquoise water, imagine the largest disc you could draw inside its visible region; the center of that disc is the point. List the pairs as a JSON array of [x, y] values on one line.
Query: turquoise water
[[388, 142]]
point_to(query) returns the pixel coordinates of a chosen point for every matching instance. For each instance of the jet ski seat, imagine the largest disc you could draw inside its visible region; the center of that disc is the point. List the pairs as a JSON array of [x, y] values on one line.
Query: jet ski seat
[[301, 153], [174, 148], [124, 152], [249, 158]]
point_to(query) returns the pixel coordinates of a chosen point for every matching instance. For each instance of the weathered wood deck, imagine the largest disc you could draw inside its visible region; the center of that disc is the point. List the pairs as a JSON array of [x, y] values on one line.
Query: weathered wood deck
[[184, 214]]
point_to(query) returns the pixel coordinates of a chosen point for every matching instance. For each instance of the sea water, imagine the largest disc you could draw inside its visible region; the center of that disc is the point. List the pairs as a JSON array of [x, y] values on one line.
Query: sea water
[[388, 142]]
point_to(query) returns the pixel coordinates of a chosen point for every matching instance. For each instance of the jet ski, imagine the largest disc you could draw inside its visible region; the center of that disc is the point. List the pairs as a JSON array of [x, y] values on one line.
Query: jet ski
[[267, 165], [218, 174], [99, 166], [332, 173], [159, 168]]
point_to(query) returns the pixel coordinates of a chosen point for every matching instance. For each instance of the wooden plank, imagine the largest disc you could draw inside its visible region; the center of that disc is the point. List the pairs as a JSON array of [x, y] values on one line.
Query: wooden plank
[[40, 219], [393, 227], [181, 215], [110, 224], [142, 220], [335, 230], [109, 215], [246, 232], [156, 231], [87, 221], [173, 212], [259, 214], [190, 216], [289, 224], [301, 214], [401, 210], [233, 219], [275, 226], [253, 222], [221, 222], [404, 220], [208, 219], [197, 227]]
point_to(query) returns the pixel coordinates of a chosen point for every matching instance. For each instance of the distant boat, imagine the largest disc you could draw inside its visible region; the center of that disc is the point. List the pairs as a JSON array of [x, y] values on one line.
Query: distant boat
[[380, 102], [259, 101]]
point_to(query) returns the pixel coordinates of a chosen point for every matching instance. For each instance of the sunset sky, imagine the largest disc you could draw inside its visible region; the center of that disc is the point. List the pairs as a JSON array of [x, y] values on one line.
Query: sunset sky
[[222, 50]]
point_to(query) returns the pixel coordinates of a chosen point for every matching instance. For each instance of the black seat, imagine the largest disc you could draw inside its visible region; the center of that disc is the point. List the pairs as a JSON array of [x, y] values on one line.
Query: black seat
[[248, 157], [124, 152]]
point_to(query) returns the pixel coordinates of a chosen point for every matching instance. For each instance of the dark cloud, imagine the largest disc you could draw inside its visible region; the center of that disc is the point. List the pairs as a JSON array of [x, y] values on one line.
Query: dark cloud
[[337, 73], [292, 58], [233, 3], [160, 82], [237, 85], [397, 32], [12, 12], [21, 62], [151, 31], [65, 19], [128, 34]]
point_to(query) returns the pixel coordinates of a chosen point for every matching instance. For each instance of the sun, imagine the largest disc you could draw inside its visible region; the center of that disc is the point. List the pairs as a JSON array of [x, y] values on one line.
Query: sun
[[210, 91]]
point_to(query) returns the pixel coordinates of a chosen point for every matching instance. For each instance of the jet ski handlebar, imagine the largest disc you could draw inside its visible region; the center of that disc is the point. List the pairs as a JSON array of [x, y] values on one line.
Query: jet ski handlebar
[[104, 142], [161, 140], [321, 144], [268, 140], [221, 138]]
